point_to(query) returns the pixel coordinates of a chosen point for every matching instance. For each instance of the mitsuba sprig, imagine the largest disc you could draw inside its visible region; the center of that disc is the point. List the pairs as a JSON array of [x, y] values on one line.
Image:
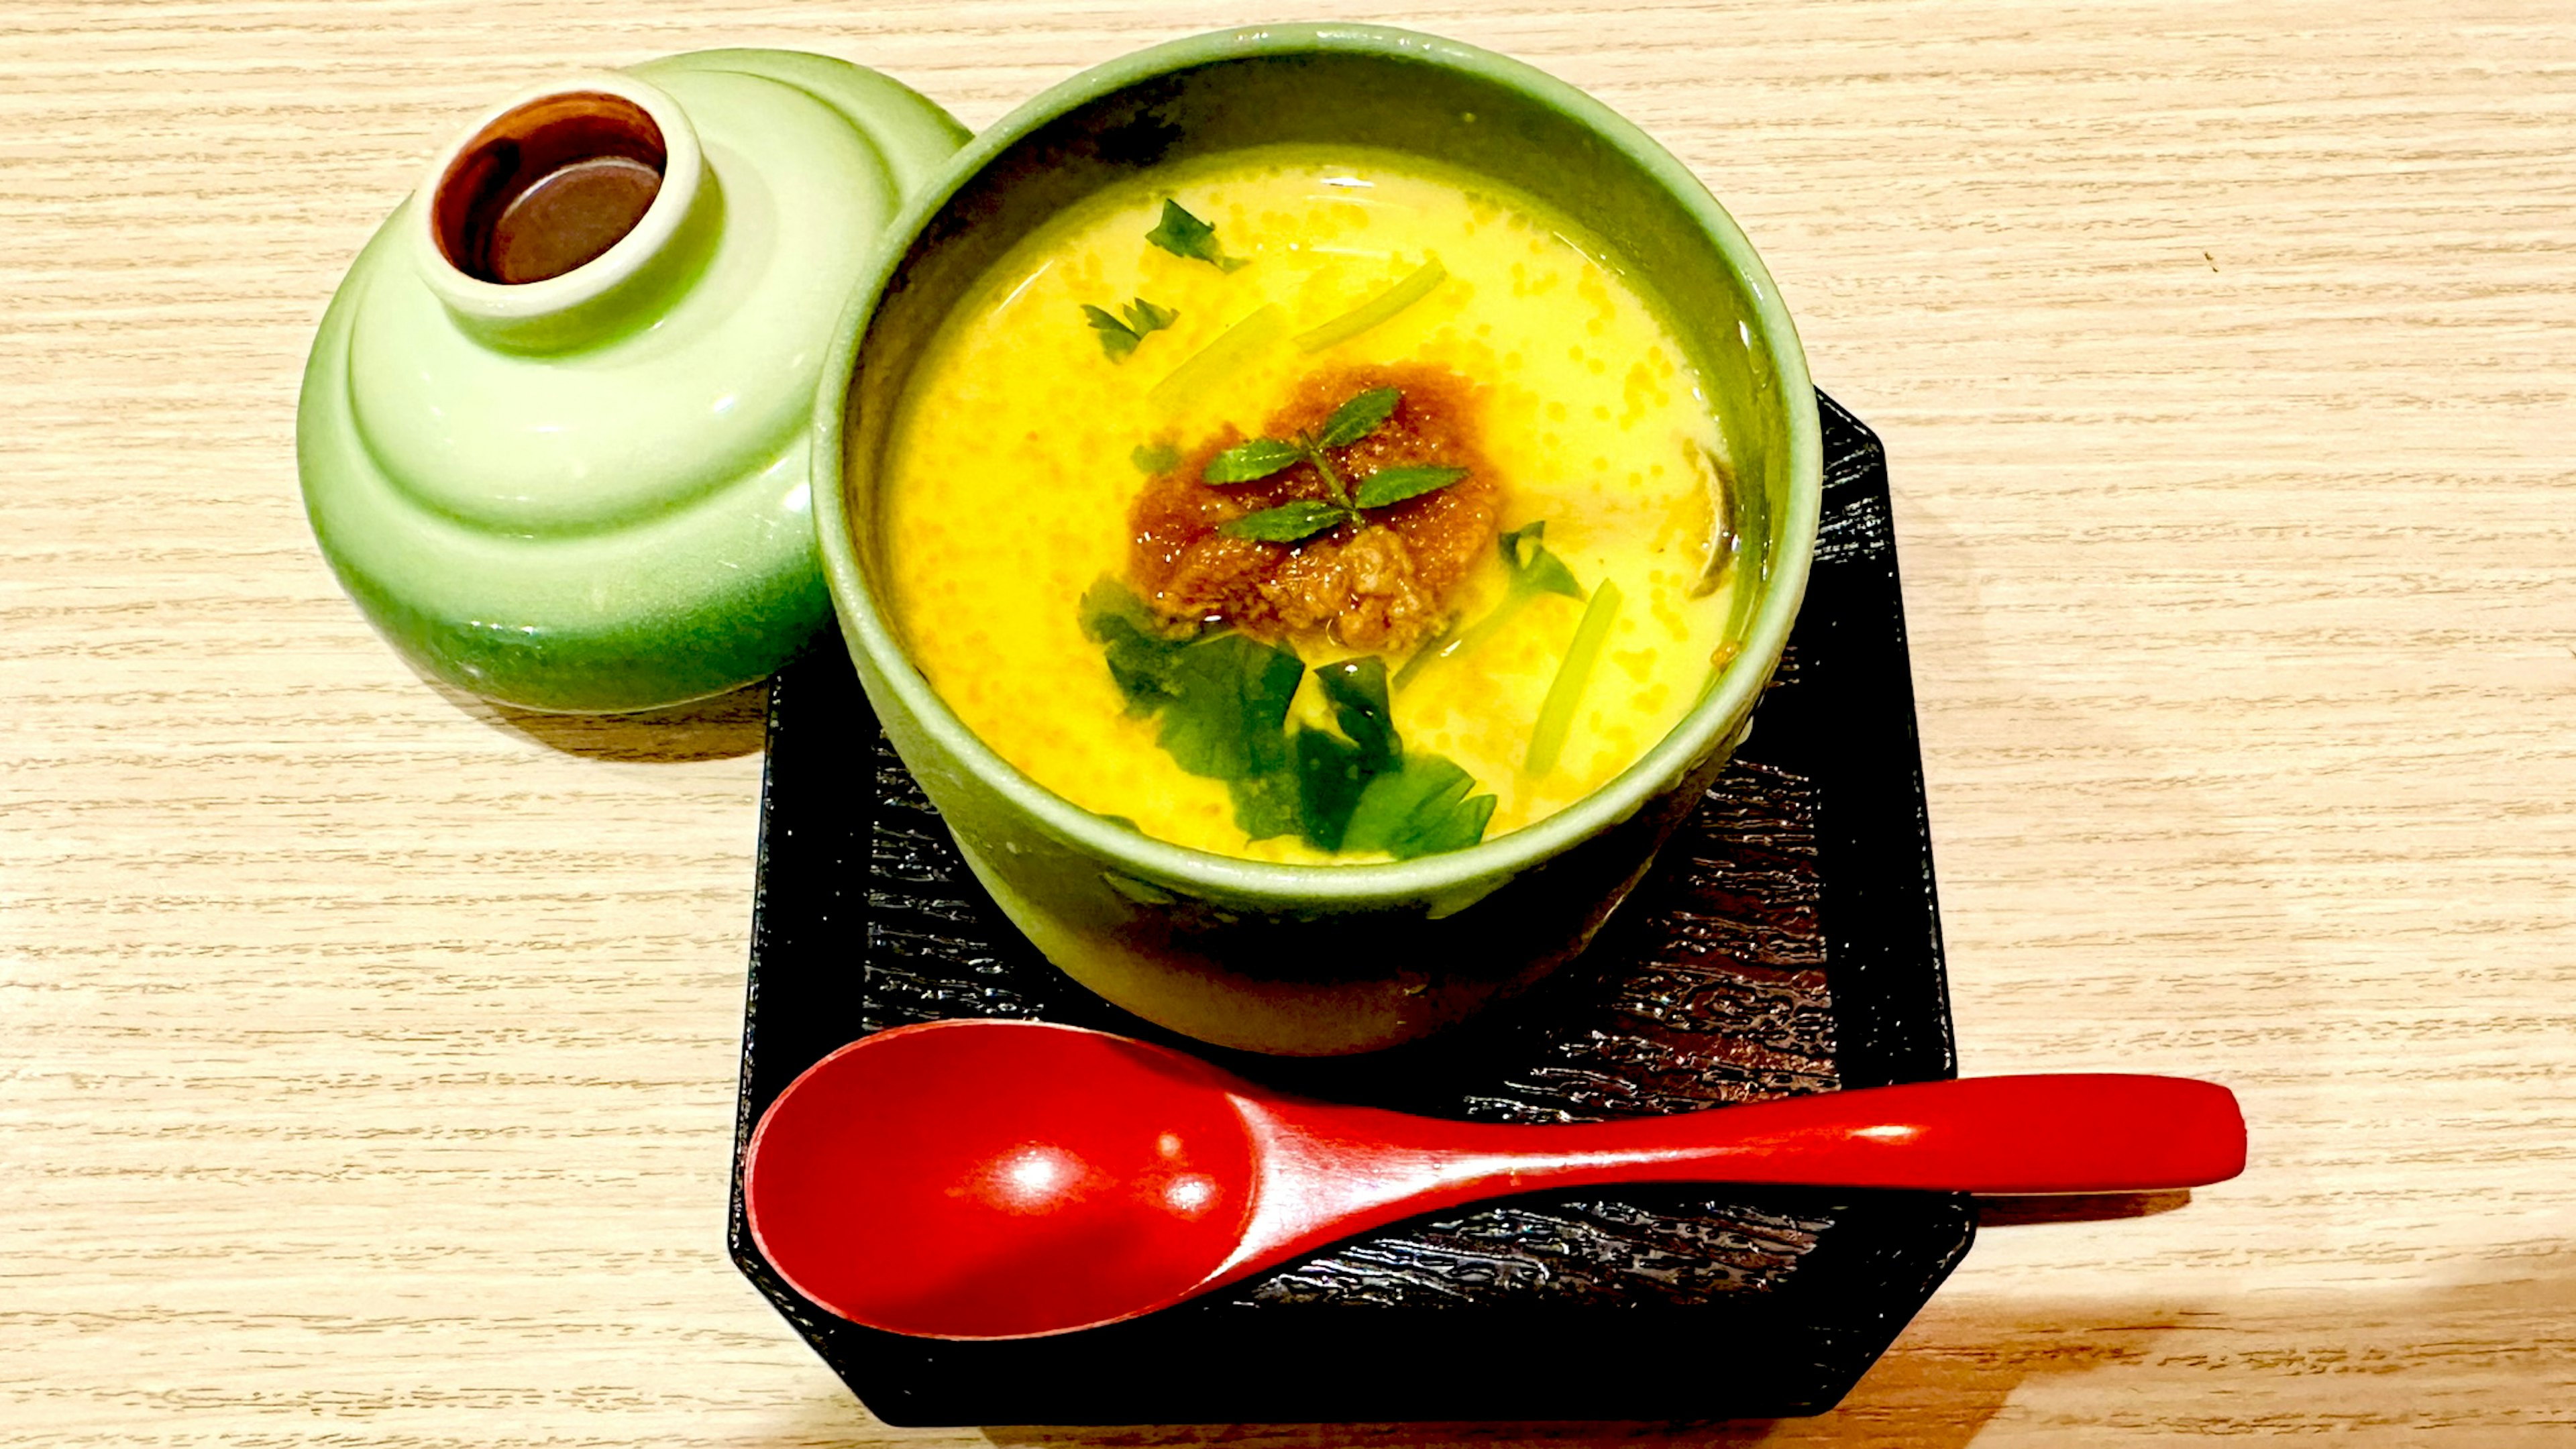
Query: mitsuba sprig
[[1303, 518]]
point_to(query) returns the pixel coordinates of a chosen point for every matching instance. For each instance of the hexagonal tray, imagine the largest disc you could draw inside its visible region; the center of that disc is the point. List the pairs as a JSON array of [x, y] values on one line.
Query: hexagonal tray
[[1787, 941]]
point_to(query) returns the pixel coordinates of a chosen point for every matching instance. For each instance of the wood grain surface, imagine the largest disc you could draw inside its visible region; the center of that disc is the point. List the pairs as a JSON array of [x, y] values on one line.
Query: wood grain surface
[[367, 1054]]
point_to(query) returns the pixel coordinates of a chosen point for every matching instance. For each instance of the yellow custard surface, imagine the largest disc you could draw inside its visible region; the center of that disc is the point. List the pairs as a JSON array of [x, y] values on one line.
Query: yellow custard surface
[[1012, 462]]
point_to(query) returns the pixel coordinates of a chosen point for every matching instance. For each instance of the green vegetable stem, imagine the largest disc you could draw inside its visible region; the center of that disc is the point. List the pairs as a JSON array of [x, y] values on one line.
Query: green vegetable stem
[[1573, 676], [1379, 309], [1532, 571], [1233, 350]]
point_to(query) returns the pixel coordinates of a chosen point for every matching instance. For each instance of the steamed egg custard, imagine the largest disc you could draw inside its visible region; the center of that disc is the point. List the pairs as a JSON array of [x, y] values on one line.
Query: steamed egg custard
[[1313, 508]]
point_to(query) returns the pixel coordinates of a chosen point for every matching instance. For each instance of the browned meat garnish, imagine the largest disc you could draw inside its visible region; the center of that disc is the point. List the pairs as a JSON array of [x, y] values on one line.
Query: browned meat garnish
[[1382, 587]]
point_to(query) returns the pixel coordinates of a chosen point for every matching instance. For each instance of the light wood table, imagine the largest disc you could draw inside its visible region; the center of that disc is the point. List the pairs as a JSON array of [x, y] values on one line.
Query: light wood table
[[367, 1055]]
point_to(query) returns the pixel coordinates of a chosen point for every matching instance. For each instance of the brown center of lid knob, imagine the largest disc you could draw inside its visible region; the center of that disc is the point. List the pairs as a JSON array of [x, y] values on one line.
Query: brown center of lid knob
[[548, 186]]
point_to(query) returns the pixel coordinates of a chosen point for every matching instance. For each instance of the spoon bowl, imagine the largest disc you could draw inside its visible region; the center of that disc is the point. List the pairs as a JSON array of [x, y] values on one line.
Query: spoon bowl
[[984, 1179], [969, 1207]]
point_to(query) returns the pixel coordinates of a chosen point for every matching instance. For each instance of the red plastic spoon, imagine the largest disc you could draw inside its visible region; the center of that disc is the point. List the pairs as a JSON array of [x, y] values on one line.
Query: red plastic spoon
[[983, 1179]]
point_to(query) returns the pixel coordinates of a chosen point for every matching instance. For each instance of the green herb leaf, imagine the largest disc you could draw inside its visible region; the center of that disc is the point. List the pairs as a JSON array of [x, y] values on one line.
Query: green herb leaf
[[1224, 701], [1154, 457], [1533, 568], [1229, 707], [1358, 418], [1356, 688], [1143, 316], [1143, 656], [1184, 235], [1394, 485], [1119, 338], [1245, 462], [1288, 522], [1330, 778], [1336, 774], [1420, 807], [1270, 803]]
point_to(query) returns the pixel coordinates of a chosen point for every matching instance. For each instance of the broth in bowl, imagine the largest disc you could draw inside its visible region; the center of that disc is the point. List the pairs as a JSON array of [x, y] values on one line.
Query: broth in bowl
[[1314, 506]]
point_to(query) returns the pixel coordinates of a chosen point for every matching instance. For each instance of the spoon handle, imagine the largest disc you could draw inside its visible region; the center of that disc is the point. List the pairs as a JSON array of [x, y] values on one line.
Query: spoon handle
[[2025, 1134]]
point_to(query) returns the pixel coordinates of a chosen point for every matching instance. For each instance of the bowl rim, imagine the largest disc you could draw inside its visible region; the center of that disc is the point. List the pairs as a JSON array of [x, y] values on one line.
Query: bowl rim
[[1342, 886]]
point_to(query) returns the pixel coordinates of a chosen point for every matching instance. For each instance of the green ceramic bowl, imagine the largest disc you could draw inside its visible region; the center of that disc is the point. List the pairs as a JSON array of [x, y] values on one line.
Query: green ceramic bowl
[[1314, 960]]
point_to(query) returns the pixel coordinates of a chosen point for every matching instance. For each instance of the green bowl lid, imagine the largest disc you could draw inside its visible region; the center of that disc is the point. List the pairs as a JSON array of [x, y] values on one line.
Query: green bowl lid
[[554, 429]]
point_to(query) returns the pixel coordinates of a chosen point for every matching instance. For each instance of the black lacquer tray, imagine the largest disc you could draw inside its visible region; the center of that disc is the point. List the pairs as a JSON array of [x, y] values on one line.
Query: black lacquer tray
[[1786, 942]]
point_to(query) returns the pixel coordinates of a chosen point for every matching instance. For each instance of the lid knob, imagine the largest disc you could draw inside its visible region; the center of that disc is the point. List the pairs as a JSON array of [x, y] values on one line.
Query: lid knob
[[562, 205], [547, 186]]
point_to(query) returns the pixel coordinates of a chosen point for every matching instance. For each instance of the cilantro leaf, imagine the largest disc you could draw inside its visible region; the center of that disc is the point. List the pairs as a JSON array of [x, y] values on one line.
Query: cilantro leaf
[[1143, 659], [1229, 707], [1269, 803], [1245, 462], [1356, 688], [1184, 235], [1143, 316], [1154, 457], [1330, 778], [1418, 808], [1224, 700], [1358, 418], [1334, 771], [1119, 337], [1394, 485], [1286, 523]]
